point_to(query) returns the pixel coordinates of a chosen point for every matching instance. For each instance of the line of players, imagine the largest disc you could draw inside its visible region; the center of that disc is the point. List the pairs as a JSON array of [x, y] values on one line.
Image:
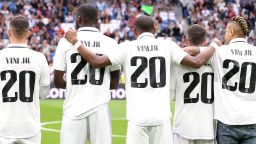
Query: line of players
[[153, 73]]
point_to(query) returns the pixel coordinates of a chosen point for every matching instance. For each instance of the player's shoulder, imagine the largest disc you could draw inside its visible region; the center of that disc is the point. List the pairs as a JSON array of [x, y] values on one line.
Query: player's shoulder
[[64, 42], [169, 41], [108, 39], [35, 54], [127, 43]]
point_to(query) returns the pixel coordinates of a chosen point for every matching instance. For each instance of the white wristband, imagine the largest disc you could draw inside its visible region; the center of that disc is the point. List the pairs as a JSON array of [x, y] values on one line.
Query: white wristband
[[213, 44], [77, 44]]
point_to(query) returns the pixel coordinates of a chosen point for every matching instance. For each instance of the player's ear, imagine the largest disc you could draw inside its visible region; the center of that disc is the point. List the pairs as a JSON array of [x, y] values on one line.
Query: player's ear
[[9, 33], [186, 41], [205, 42], [135, 32], [78, 19], [28, 34], [154, 30], [232, 31]]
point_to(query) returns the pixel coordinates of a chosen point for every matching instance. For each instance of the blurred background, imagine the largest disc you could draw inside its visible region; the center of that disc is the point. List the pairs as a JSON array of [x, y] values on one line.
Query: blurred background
[[50, 18]]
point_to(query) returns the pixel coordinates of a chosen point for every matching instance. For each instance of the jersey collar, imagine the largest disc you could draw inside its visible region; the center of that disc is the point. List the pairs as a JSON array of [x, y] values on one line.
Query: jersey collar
[[238, 40], [89, 29], [145, 34], [21, 45]]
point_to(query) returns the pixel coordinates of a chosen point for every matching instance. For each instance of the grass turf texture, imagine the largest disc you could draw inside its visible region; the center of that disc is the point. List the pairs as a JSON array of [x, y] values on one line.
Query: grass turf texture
[[51, 111]]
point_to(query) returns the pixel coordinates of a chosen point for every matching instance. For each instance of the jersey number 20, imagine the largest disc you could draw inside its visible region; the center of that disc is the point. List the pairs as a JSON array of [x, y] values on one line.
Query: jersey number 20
[[80, 67], [151, 63], [194, 83], [22, 85], [243, 75]]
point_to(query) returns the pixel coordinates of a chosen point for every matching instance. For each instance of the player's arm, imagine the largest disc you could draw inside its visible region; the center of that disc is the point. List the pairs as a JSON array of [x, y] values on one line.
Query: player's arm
[[92, 58], [115, 76], [200, 59], [44, 91], [44, 81], [192, 50], [59, 81]]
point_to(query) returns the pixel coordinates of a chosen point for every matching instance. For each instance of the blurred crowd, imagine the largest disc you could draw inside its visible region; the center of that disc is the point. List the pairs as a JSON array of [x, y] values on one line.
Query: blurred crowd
[[49, 18]]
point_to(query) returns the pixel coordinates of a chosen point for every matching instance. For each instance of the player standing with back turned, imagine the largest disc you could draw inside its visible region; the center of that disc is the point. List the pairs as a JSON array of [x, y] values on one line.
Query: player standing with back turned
[[146, 64], [24, 76], [85, 115], [234, 67], [193, 92]]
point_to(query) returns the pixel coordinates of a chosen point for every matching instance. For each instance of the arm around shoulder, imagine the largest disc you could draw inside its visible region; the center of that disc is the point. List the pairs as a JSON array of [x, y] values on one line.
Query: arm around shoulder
[[200, 59]]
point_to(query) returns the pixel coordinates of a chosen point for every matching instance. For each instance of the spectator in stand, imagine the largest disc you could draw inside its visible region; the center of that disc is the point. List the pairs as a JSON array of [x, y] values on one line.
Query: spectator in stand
[[48, 18]]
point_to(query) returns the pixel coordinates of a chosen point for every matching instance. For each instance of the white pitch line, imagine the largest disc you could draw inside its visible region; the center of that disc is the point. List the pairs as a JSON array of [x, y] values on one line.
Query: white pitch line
[[50, 130], [51, 122], [119, 136]]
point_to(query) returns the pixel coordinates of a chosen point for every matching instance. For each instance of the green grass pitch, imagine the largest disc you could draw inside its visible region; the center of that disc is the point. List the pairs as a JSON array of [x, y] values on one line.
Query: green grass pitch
[[51, 114]]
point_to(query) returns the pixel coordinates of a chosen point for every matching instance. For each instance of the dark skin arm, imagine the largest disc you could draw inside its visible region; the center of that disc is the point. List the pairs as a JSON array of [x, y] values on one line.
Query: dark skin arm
[[102, 61], [92, 58], [59, 82], [203, 57], [198, 60], [115, 75], [192, 50]]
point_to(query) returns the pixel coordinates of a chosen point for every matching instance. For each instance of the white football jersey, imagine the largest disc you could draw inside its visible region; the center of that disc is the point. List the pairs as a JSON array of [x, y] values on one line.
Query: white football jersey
[[234, 83], [193, 91], [22, 72], [87, 87], [146, 65]]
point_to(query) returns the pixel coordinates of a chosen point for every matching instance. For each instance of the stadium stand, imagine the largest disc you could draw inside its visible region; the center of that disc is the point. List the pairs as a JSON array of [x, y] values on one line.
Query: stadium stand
[[49, 18]]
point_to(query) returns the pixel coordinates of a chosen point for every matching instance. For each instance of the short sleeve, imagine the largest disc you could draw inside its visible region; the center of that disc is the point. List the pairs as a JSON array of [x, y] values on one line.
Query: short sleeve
[[45, 73], [177, 54], [59, 61], [115, 67], [117, 57], [173, 76]]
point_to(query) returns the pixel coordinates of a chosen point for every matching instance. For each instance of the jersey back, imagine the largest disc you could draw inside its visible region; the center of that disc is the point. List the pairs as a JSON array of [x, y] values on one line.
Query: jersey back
[[87, 87], [22, 72], [146, 64], [193, 92], [235, 78]]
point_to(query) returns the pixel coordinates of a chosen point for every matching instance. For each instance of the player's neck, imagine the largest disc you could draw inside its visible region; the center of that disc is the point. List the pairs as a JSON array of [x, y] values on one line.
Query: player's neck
[[87, 25], [236, 36], [18, 41]]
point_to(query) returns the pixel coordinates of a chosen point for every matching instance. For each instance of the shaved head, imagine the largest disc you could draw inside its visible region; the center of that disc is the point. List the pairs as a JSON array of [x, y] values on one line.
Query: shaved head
[[87, 15], [238, 27], [144, 24]]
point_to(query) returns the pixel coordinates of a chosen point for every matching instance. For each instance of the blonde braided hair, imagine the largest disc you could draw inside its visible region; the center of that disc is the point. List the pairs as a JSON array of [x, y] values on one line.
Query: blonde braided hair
[[245, 25]]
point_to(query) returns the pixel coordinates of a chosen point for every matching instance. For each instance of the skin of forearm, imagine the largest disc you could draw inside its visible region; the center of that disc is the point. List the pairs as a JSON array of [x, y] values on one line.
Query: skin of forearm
[[95, 60], [200, 59], [192, 50], [92, 58]]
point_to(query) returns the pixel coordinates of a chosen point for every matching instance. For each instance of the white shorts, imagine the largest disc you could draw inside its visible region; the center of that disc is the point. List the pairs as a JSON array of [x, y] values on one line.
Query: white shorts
[[160, 134], [36, 139], [95, 128], [178, 139]]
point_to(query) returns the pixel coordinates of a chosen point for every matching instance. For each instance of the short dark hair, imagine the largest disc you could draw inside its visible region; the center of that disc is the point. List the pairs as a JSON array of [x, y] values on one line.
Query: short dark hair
[[88, 13], [19, 25], [144, 23], [196, 34], [244, 24]]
